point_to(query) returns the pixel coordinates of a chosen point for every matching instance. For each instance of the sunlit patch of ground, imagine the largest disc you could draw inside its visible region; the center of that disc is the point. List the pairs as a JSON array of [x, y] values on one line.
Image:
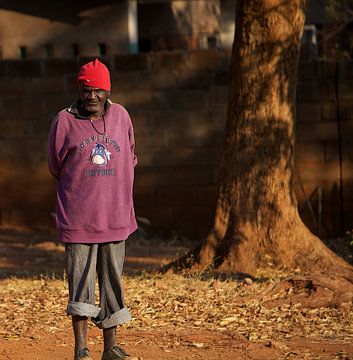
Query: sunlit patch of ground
[[176, 316]]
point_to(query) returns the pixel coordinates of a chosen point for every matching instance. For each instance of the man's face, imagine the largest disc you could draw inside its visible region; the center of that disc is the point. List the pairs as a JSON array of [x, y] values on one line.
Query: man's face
[[93, 99]]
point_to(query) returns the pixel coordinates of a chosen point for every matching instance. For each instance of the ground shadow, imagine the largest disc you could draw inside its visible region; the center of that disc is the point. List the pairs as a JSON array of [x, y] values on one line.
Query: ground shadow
[[27, 253]]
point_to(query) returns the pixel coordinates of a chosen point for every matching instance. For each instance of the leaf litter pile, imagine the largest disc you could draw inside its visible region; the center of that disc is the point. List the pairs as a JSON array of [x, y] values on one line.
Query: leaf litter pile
[[175, 302]]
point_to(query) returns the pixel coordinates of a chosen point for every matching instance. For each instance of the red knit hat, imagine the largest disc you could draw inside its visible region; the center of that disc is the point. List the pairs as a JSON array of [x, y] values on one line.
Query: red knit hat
[[94, 74]]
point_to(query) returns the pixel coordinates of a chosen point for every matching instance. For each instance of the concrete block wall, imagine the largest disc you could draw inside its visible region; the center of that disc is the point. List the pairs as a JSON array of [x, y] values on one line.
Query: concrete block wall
[[317, 147], [324, 145], [178, 103]]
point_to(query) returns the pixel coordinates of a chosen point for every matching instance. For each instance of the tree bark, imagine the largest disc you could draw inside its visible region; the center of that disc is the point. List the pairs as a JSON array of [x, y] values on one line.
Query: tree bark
[[257, 221]]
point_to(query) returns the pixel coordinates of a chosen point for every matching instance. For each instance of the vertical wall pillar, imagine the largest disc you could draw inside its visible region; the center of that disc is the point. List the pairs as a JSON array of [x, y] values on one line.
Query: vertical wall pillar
[[133, 26]]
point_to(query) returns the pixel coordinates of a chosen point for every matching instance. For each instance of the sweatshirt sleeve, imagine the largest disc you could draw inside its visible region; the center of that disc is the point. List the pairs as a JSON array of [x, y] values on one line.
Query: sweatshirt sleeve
[[132, 143], [54, 163]]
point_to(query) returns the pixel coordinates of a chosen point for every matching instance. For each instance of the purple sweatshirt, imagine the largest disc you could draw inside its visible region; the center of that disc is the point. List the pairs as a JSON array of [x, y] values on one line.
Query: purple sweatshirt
[[96, 174]]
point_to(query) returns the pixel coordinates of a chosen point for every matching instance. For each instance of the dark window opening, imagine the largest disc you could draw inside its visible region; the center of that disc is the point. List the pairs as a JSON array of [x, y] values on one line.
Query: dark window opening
[[144, 44], [102, 49], [75, 50], [49, 50], [211, 42], [23, 52]]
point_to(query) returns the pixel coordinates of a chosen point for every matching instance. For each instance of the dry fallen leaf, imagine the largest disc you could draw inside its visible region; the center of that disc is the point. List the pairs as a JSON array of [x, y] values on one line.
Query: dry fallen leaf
[[177, 302]]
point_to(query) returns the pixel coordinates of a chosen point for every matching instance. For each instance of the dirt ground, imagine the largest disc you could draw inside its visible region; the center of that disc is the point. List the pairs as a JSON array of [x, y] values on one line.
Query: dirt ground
[[176, 316]]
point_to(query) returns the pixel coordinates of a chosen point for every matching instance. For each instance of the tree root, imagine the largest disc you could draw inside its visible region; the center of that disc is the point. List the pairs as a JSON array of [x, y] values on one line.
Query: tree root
[[312, 291]]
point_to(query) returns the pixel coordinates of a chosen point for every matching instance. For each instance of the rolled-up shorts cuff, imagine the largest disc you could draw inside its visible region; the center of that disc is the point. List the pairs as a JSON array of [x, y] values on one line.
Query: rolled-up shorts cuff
[[82, 309], [119, 317]]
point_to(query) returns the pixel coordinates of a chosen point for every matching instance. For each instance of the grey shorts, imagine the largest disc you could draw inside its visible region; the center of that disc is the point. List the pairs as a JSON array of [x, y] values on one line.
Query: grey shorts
[[85, 262]]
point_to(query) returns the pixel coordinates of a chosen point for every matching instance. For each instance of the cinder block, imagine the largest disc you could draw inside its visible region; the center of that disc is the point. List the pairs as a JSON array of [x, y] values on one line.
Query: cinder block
[[320, 131], [174, 120], [309, 152], [151, 176], [155, 141], [347, 170], [40, 126], [139, 99], [14, 86], [308, 70], [54, 103], [199, 79], [316, 91], [345, 110], [130, 81], [190, 175], [346, 129], [60, 67], [147, 159], [221, 78], [308, 112], [328, 90], [44, 86], [32, 191], [15, 127], [176, 195], [196, 215], [142, 122], [28, 106], [347, 187], [159, 216], [170, 119], [329, 111], [131, 62], [308, 92], [70, 84], [144, 196], [9, 155], [331, 151], [218, 98], [164, 79], [195, 137], [347, 150], [345, 69], [228, 56], [319, 173], [345, 89], [329, 201], [215, 174], [33, 218], [159, 158], [169, 61], [41, 192], [206, 59], [182, 100], [22, 68], [219, 118], [207, 195], [187, 157], [328, 70], [3, 68]]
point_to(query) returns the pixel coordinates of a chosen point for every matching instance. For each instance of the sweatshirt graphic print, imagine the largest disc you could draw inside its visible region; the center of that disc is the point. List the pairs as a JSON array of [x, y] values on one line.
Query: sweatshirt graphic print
[[96, 174]]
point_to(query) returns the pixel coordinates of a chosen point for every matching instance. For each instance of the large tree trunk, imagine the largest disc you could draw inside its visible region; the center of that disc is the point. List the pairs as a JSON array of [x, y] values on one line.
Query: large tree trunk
[[256, 219]]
